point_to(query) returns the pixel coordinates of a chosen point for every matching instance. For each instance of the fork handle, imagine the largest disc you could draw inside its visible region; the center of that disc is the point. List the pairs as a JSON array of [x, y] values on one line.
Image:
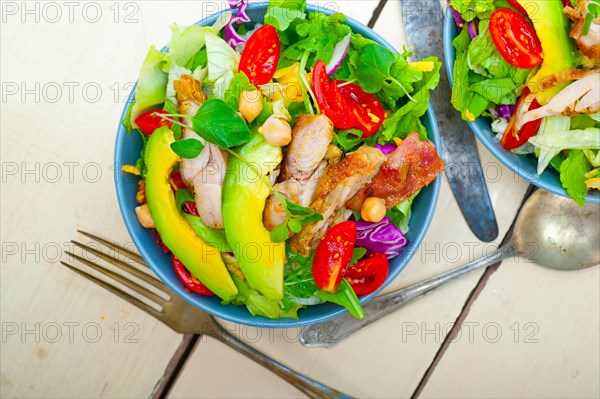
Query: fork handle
[[310, 387]]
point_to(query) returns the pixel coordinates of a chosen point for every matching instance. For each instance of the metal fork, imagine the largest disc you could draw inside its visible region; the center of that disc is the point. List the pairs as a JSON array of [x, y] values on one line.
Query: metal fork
[[180, 315]]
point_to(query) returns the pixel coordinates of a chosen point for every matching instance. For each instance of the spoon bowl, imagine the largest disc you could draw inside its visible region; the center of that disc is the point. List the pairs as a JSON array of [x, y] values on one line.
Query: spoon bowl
[[551, 230], [557, 233]]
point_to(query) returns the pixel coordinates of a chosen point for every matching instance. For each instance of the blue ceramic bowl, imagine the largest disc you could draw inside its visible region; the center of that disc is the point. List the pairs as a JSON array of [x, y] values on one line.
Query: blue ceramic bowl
[[523, 165], [127, 148]]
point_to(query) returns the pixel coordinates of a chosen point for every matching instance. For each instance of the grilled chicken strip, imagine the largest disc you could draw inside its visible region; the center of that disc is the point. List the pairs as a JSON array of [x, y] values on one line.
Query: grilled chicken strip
[[410, 167], [581, 96], [588, 44], [302, 167], [339, 183], [204, 174]]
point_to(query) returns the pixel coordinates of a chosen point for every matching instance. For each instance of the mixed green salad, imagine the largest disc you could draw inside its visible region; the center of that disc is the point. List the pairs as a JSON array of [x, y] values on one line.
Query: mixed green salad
[[281, 159], [532, 67]]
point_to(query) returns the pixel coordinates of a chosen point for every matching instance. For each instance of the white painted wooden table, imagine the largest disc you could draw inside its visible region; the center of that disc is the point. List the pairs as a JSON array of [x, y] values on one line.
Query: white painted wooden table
[[66, 68]]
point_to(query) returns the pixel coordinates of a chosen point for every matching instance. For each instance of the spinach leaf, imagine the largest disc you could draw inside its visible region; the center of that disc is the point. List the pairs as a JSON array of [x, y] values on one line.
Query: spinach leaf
[[345, 297], [218, 123], [188, 149], [373, 67], [572, 175]]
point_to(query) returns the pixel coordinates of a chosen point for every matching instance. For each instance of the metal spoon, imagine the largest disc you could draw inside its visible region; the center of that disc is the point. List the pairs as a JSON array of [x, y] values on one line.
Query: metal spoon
[[550, 230]]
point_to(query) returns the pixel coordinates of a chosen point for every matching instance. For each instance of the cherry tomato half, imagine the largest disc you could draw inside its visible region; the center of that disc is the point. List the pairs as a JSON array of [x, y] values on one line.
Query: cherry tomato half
[[368, 275], [261, 55], [190, 282], [511, 139], [515, 38], [515, 4], [333, 256], [149, 121], [330, 100], [365, 106]]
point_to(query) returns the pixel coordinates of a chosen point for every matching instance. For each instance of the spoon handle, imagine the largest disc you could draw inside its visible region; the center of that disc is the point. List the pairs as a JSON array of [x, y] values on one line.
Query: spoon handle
[[329, 333]]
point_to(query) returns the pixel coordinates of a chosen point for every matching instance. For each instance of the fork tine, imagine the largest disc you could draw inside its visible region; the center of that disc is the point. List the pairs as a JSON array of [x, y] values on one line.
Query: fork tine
[[123, 265], [137, 288], [125, 252], [131, 299]]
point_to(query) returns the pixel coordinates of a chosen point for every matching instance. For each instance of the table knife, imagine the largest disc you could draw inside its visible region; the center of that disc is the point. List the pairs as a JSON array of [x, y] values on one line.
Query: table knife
[[423, 23]]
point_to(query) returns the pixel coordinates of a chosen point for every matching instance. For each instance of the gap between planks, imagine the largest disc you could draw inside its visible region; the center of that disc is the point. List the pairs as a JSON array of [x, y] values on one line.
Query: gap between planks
[[467, 306], [175, 366]]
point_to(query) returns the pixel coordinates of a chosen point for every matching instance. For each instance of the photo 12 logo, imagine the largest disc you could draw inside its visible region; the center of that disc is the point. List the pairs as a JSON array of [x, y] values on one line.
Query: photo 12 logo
[[53, 12]]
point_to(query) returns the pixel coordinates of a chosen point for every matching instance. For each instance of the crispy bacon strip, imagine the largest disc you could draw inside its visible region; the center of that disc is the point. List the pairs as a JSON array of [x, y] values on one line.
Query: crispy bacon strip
[[412, 166]]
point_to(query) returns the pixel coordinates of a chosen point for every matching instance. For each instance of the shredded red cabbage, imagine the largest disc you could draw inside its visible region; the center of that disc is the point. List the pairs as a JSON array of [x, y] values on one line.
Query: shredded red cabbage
[[460, 22], [386, 149], [382, 237], [473, 28], [231, 36], [505, 111]]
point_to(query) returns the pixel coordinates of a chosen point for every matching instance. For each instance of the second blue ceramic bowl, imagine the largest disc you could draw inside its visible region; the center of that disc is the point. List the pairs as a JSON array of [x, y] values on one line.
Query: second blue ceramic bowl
[[523, 165]]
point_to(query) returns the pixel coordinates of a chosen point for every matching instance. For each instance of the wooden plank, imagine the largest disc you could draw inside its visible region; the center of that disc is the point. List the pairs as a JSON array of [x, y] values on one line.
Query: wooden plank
[[533, 332]]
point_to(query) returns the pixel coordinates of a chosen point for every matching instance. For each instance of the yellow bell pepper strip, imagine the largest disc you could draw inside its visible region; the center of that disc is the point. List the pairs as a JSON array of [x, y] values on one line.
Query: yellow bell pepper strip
[[244, 196], [202, 260], [558, 49]]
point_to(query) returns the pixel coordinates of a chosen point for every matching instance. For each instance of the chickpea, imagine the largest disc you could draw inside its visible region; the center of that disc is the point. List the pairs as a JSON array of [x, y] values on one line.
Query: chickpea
[[143, 214], [276, 131], [250, 104], [333, 152], [373, 210]]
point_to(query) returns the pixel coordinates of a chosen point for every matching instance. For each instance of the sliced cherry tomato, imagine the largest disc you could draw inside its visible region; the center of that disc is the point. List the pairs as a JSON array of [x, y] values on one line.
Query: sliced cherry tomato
[[330, 100], [365, 106], [149, 121], [511, 139], [515, 38], [177, 181], [190, 282], [333, 256], [159, 241], [368, 275], [190, 208], [515, 4], [261, 55]]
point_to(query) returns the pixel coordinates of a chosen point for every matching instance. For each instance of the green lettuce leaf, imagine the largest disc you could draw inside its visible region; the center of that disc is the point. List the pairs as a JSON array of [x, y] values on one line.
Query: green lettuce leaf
[[223, 62], [151, 86], [469, 9], [572, 175]]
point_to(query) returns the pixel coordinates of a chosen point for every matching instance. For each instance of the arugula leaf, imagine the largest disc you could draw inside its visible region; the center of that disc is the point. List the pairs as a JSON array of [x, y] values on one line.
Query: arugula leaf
[[188, 149], [572, 175], [218, 123], [345, 297], [348, 140], [407, 118], [357, 255], [373, 67], [281, 18]]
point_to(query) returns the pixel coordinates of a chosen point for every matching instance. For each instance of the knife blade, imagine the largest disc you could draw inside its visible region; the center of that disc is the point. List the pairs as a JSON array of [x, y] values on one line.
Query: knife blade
[[423, 24]]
